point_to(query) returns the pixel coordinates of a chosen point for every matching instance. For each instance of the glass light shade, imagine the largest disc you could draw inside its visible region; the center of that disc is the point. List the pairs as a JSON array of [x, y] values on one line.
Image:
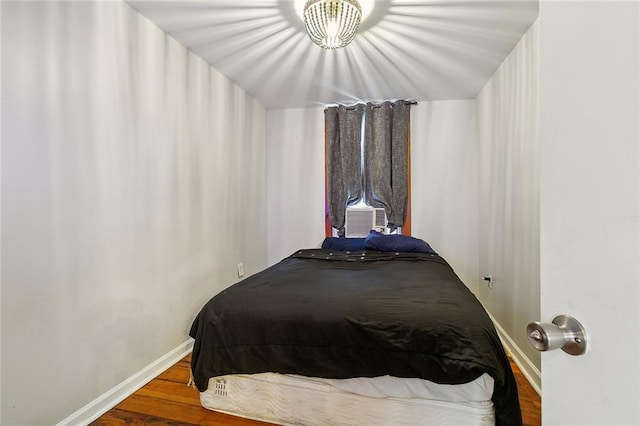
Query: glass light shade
[[332, 24]]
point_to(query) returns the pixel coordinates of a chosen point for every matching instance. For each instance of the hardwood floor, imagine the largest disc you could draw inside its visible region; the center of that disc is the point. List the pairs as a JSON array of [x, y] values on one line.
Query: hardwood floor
[[530, 401], [167, 400]]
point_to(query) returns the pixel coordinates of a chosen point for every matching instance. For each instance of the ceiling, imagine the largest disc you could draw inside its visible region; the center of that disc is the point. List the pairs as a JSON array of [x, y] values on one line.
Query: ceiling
[[405, 49]]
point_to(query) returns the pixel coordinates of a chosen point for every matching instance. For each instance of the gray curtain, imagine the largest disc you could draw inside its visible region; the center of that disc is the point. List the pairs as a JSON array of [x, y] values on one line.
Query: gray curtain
[[386, 141], [344, 171]]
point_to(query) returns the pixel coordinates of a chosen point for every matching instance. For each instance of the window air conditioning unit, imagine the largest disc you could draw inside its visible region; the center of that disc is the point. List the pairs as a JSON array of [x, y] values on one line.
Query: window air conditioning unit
[[359, 221]]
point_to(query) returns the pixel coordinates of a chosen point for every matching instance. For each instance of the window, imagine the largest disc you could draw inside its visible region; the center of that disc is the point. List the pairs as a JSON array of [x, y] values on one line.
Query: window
[[367, 162]]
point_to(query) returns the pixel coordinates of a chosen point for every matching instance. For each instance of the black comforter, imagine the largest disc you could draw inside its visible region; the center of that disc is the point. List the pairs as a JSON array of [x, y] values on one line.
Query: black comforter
[[340, 315]]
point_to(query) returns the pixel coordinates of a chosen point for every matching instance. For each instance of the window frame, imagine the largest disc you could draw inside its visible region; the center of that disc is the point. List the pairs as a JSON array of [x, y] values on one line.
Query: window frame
[[406, 228]]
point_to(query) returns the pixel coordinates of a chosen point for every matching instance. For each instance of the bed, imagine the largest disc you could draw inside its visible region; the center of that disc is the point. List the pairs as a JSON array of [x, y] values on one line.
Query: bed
[[353, 337]]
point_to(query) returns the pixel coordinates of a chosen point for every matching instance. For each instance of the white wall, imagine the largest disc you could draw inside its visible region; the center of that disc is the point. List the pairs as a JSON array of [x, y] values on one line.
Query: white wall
[[508, 176], [133, 182], [444, 207], [444, 189], [1, 270], [295, 170]]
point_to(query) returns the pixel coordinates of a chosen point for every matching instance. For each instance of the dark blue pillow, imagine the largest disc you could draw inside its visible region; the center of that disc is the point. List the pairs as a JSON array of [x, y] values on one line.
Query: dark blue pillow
[[396, 242], [343, 244]]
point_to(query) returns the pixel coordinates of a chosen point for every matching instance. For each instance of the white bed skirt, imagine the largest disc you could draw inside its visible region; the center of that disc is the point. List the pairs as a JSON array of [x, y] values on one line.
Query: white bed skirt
[[298, 400]]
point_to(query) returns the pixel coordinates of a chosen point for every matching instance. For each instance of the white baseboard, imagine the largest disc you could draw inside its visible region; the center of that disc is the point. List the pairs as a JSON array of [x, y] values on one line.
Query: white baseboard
[[120, 392], [525, 365]]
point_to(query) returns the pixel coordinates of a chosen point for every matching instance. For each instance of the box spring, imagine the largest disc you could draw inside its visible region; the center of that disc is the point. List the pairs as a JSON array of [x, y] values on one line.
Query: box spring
[[298, 400]]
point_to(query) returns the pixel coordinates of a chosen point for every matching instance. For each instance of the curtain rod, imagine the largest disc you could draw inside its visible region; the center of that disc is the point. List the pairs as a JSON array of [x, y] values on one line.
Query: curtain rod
[[377, 105]]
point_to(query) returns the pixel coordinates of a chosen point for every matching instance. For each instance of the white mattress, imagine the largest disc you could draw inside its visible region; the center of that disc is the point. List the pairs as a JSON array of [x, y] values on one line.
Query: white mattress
[[290, 399]]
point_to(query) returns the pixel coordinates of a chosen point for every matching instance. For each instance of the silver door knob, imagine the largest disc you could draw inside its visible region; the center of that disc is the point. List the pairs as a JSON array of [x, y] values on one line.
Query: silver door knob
[[564, 332]]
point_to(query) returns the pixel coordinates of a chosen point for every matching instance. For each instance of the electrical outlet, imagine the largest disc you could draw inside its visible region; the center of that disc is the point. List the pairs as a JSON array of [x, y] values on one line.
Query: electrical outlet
[[240, 270], [489, 280]]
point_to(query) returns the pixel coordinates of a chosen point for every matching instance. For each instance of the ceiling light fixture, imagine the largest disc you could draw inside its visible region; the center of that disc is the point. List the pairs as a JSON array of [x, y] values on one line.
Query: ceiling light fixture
[[332, 24]]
